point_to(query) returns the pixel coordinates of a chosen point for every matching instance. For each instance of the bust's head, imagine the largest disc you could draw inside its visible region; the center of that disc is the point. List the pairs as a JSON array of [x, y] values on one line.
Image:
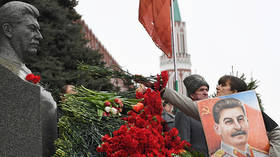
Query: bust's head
[[20, 28]]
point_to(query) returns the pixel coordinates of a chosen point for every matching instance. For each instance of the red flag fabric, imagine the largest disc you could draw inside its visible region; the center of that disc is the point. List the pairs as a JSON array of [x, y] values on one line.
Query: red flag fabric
[[154, 15]]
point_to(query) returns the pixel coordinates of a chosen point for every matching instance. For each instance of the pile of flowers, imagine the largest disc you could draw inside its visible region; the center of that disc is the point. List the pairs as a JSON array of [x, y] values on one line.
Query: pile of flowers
[[142, 135], [87, 115]]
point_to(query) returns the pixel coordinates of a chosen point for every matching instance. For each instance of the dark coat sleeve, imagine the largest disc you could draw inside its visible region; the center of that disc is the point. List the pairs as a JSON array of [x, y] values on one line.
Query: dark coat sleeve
[[182, 123]]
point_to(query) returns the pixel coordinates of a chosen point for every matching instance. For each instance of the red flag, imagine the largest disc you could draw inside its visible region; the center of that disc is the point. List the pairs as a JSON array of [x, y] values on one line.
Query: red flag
[[154, 15]]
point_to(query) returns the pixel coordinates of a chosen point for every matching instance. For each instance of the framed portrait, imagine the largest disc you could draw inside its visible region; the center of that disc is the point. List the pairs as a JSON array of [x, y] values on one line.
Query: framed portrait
[[233, 125]]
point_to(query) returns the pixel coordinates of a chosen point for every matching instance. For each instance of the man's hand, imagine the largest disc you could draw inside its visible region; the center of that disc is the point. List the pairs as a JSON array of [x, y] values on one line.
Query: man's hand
[[141, 89]]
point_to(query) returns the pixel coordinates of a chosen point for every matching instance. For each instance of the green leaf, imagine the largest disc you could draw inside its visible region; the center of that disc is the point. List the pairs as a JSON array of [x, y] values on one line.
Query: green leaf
[[100, 113]]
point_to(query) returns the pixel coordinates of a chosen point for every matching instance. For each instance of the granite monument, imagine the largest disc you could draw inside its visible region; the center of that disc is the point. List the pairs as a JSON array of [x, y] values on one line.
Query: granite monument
[[28, 124]]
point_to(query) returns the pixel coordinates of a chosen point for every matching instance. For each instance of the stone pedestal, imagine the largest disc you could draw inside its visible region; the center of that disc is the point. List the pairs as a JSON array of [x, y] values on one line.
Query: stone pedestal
[[20, 121]]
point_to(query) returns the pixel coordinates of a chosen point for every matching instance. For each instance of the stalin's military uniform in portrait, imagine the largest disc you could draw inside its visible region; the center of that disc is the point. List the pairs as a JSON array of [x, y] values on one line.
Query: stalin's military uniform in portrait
[[229, 151]]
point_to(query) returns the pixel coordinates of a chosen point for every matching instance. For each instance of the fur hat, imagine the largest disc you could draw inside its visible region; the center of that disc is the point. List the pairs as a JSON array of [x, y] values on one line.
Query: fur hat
[[193, 82]]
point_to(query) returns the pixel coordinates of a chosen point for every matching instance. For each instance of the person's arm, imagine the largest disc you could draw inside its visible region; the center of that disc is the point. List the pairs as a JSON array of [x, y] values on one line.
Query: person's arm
[[273, 133], [182, 102], [274, 140]]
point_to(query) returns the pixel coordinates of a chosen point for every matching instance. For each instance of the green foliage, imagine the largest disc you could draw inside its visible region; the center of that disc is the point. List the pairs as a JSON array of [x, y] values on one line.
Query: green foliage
[[82, 125], [253, 85], [127, 94], [107, 73], [80, 137], [191, 153]]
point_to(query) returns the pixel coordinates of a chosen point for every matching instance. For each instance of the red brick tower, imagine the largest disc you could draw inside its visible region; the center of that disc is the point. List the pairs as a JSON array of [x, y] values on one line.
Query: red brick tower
[[183, 61]]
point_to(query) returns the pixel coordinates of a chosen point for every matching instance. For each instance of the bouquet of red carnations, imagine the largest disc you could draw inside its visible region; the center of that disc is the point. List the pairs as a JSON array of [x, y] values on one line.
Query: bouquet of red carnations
[[142, 135]]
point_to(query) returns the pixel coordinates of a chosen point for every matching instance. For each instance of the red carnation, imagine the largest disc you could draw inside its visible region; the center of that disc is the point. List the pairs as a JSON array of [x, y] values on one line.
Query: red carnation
[[107, 103], [29, 77], [138, 107], [36, 79], [118, 101], [33, 78], [139, 95]]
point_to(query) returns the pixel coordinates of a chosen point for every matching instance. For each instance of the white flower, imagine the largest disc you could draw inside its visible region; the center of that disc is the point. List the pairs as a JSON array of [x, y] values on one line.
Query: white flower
[[114, 110], [107, 109]]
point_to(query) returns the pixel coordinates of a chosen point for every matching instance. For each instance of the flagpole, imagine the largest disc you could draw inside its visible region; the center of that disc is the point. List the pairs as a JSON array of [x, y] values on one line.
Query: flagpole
[[173, 47]]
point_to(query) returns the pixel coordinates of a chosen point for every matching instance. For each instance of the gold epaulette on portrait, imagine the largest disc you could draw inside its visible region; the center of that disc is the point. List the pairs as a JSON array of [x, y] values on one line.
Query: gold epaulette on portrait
[[219, 153]]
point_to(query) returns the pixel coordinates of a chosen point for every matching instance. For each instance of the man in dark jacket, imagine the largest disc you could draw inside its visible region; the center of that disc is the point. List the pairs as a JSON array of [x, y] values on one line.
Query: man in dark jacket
[[190, 129]]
